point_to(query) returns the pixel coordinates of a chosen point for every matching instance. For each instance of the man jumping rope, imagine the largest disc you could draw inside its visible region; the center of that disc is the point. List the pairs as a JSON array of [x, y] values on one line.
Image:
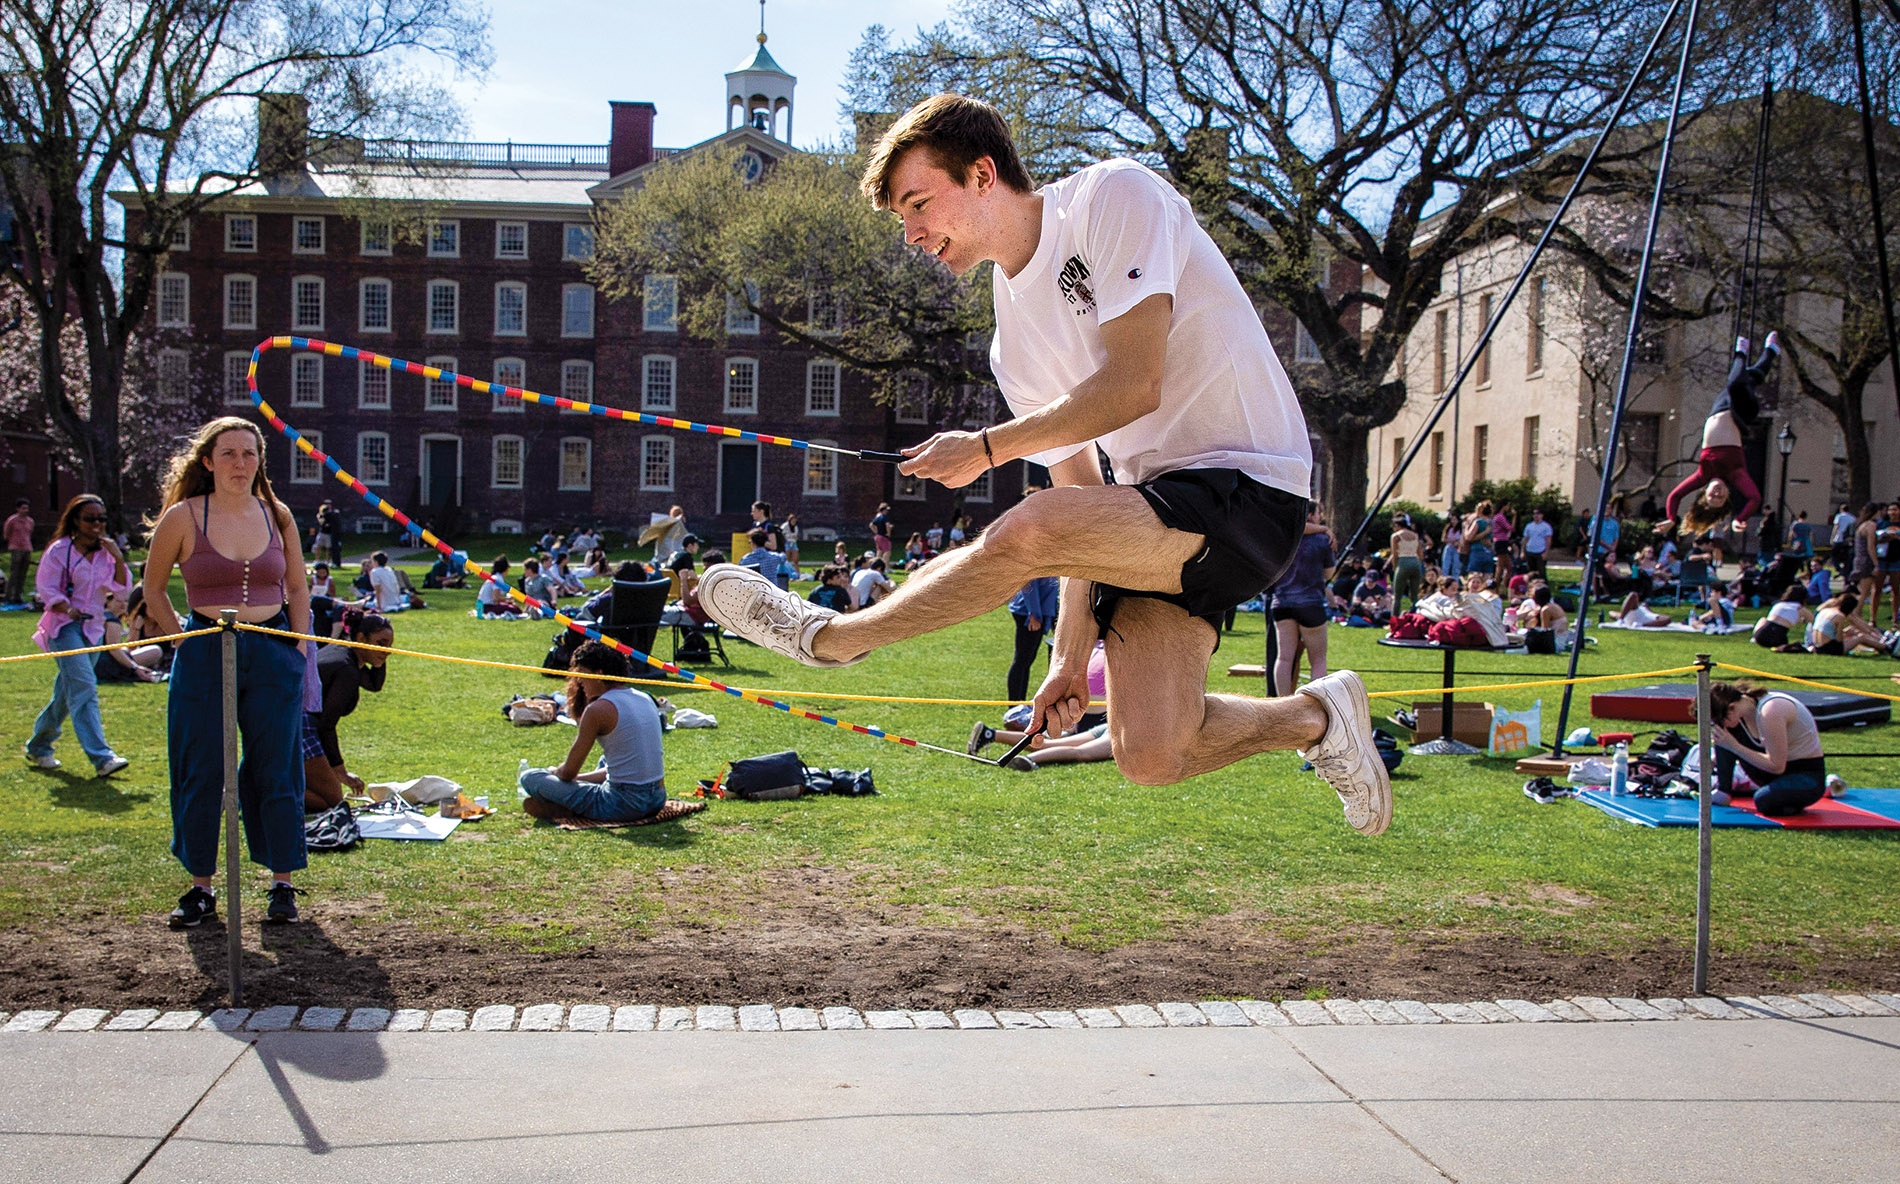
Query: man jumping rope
[[1119, 325]]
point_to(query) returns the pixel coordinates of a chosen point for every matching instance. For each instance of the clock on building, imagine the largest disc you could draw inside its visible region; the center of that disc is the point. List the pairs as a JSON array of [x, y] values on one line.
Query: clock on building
[[751, 166]]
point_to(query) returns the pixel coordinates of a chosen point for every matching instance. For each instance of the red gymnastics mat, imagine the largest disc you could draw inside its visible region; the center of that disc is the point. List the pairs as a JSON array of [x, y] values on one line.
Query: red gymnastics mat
[[1674, 703], [1857, 809]]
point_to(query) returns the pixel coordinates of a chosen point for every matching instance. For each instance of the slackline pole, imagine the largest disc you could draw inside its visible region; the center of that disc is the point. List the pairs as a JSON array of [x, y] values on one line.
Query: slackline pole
[[1639, 290], [234, 933], [1705, 824]]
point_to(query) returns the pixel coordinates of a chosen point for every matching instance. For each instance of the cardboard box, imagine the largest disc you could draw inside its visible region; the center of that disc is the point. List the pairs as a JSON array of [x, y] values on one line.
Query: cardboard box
[[1470, 722]]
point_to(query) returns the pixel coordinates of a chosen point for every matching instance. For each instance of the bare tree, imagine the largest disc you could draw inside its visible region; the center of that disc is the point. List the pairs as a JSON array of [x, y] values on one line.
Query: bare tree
[[157, 97]]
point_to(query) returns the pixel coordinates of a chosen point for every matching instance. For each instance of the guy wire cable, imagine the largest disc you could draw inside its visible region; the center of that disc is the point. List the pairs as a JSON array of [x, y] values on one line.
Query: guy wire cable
[[390, 511]]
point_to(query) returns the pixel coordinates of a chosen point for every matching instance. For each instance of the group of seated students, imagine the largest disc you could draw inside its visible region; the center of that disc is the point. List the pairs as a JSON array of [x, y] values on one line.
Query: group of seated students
[[846, 589], [1836, 627]]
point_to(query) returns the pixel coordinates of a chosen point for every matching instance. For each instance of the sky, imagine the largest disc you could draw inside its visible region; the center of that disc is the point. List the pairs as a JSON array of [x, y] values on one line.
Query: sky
[[559, 62]]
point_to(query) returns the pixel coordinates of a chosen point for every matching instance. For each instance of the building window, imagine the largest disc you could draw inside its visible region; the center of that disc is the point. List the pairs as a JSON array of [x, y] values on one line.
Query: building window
[[1437, 488], [1534, 334], [657, 385], [237, 371], [739, 318], [510, 372], [304, 468], [306, 235], [577, 310], [577, 242], [174, 300], [1441, 331], [823, 314], [979, 489], [240, 232], [1484, 355], [445, 240], [577, 463], [907, 489], [306, 380], [742, 386], [1398, 452], [445, 306], [240, 302], [1642, 440], [656, 463], [181, 236], [372, 458], [1481, 452], [376, 238], [1305, 349], [372, 386], [660, 298], [1533, 443], [373, 306], [913, 401], [174, 376], [821, 388], [511, 309], [439, 390], [1652, 347], [306, 302], [511, 240], [510, 453], [577, 381], [371, 524], [821, 471]]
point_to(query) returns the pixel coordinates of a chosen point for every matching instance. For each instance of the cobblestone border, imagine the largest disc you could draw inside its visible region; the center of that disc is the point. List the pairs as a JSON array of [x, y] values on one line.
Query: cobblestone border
[[763, 1017]]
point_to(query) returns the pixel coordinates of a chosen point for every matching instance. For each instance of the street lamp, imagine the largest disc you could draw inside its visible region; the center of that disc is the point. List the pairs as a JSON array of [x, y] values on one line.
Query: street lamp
[[1784, 444]]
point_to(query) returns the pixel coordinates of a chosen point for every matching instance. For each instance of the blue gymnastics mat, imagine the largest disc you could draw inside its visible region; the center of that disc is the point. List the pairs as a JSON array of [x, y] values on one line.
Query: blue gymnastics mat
[[1857, 809]]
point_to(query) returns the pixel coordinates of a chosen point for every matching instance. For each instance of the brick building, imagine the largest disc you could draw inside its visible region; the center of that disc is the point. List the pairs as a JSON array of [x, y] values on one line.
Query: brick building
[[471, 257]]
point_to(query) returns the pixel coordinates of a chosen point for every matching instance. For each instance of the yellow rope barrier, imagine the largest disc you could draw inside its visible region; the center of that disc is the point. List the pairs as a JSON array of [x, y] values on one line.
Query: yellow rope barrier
[[1806, 682], [1543, 682], [117, 645]]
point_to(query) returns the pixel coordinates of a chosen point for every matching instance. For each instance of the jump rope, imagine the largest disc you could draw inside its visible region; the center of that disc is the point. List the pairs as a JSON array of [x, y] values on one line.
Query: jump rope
[[461, 559]]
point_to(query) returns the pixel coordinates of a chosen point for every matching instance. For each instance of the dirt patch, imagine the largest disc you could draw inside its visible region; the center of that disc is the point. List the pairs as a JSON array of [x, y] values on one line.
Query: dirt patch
[[820, 956]]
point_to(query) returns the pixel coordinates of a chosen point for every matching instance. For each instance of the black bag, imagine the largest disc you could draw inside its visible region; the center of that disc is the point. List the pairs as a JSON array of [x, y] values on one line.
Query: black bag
[[772, 778], [562, 652], [842, 782], [333, 830], [1540, 641], [694, 649]]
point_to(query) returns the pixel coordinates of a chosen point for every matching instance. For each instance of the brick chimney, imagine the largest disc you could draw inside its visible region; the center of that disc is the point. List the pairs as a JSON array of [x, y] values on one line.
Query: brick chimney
[[283, 134], [631, 142]]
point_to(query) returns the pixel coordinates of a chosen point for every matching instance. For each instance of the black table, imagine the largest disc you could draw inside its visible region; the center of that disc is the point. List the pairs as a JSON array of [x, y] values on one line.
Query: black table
[[1446, 744]]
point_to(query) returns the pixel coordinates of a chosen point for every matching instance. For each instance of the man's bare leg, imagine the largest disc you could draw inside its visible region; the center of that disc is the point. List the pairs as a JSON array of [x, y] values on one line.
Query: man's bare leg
[[1120, 542]]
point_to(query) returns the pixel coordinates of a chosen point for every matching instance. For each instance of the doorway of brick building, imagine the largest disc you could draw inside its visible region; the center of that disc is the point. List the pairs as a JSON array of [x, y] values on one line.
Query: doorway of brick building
[[738, 477]]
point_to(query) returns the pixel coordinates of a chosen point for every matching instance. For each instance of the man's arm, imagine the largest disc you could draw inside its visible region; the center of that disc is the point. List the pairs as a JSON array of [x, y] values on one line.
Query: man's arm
[[1065, 692], [1127, 387]]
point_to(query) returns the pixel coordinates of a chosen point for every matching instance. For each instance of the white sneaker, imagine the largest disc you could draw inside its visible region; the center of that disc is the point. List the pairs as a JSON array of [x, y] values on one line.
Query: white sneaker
[[764, 614], [113, 766], [46, 761], [1346, 757]]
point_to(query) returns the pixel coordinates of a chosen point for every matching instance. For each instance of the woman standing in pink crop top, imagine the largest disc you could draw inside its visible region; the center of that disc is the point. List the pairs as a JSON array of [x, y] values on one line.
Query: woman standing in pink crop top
[[237, 547]]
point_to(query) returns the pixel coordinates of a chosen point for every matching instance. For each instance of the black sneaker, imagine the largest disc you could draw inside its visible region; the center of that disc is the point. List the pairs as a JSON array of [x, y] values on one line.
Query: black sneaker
[[981, 735], [195, 907], [1541, 790], [283, 904]]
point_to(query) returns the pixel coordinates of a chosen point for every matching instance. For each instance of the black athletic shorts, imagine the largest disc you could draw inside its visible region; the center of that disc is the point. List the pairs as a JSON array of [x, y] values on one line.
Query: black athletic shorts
[[1308, 616], [1252, 533]]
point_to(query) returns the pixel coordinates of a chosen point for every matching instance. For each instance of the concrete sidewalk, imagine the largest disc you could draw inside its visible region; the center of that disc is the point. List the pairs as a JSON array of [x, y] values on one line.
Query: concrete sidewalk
[[1789, 1099]]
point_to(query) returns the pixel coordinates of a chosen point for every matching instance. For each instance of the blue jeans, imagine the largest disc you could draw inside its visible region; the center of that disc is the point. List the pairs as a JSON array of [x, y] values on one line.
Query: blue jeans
[[1776, 795], [1454, 562], [1481, 559], [602, 802], [75, 696]]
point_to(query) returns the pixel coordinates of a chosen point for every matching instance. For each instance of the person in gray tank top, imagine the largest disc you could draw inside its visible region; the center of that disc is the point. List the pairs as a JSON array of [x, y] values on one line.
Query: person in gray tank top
[[1774, 738], [629, 782]]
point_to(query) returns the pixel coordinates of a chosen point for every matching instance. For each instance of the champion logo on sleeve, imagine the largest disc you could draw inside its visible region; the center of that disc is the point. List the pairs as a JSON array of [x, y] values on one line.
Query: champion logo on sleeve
[[1134, 273]]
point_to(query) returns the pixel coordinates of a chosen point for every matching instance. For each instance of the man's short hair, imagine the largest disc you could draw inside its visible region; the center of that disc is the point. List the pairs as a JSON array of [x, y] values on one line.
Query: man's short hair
[[757, 536], [957, 131], [381, 558]]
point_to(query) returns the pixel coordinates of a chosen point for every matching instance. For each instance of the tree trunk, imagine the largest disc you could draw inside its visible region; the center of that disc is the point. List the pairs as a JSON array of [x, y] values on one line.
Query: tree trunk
[[1345, 463], [1860, 463]]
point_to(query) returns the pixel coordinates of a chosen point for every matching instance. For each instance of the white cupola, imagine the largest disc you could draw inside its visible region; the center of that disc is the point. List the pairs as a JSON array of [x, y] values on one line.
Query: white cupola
[[759, 90]]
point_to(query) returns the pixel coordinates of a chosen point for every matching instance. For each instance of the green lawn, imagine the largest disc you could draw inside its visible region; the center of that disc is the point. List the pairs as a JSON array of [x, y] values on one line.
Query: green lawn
[[1075, 852]]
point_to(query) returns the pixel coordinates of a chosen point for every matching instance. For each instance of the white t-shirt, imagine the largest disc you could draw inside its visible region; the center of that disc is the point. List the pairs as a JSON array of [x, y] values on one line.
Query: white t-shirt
[[382, 580], [1844, 524], [867, 584], [1114, 234], [1537, 537]]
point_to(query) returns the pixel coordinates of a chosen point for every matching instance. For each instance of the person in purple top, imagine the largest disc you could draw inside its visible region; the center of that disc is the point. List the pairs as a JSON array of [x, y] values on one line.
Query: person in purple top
[[80, 567]]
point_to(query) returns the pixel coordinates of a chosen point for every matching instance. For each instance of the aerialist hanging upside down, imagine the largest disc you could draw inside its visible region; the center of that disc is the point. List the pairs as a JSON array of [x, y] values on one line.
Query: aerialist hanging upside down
[[1721, 470], [1119, 325]]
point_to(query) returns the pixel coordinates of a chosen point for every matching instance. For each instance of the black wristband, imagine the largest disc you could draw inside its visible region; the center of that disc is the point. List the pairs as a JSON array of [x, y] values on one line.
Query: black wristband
[[987, 454]]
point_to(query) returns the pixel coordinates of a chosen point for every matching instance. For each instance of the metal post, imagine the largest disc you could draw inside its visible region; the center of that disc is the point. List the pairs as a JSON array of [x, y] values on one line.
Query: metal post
[[1705, 825], [233, 925]]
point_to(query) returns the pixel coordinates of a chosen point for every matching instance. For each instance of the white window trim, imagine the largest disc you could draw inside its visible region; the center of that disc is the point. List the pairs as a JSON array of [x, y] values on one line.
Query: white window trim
[[593, 309], [568, 256], [561, 460], [511, 285], [185, 228], [362, 305], [671, 408], [837, 389], [362, 238], [586, 398], [372, 524], [428, 310], [988, 479], [323, 303], [524, 240], [646, 322], [830, 458], [672, 458], [454, 387], [304, 360], [298, 459], [494, 463], [430, 242], [504, 404], [811, 317], [229, 221], [727, 394], [229, 321], [158, 310], [897, 408], [239, 395], [363, 368], [323, 234], [388, 461], [184, 359], [921, 491], [735, 309]]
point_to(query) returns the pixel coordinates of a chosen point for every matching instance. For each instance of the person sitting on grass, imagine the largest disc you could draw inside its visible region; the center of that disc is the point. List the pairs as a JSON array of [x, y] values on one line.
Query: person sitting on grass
[[869, 584], [630, 780], [443, 574], [344, 672], [1450, 595], [1776, 630], [536, 585], [125, 665], [833, 590], [492, 600], [1371, 599], [1638, 615], [1083, 746], [1838, 629], [770, 564], [321, 584], [1719, 617], [1773, 738], [1545, 612]]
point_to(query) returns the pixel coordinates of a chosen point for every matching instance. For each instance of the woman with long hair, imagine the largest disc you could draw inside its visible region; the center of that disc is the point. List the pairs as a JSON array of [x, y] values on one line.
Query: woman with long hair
[[1863, 576], [1772, 736], [237, 548], [1299, 608], [80, 567], [1408, 573], [1721, 470], [344, 672], [630, 782]]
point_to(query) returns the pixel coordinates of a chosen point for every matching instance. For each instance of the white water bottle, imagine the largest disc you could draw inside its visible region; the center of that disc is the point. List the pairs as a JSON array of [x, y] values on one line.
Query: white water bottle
[[1620, 771]]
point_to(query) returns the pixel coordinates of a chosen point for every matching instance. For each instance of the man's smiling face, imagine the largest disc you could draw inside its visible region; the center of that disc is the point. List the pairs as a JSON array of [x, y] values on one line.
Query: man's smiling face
[[942, 216]]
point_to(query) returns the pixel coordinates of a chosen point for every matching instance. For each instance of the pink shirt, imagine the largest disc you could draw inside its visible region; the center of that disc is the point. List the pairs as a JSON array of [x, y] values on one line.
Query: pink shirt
[[90, 578], [19, 532]]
